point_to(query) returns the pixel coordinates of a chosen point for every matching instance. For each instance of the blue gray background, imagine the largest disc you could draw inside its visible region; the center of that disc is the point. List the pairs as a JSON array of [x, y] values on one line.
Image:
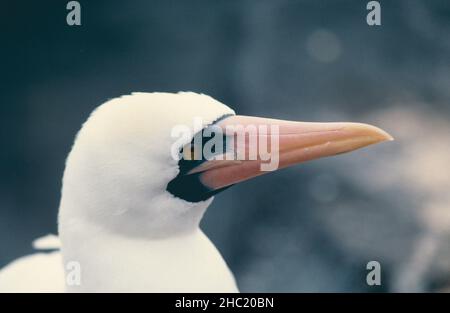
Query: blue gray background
[[313, 227]]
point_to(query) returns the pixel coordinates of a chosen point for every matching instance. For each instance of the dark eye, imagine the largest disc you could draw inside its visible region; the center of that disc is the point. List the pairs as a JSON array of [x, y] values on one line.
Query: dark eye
[[188, 186]]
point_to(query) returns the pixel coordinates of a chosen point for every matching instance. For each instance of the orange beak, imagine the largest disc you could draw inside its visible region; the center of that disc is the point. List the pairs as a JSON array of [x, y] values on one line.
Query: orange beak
[[285, 143]]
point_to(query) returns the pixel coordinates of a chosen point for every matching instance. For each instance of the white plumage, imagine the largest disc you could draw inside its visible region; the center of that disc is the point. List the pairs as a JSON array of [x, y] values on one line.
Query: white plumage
[[40, 272], [117, 219]]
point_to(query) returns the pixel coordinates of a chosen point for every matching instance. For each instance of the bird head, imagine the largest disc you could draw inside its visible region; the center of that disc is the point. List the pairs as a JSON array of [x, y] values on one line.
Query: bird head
[[137, 168]]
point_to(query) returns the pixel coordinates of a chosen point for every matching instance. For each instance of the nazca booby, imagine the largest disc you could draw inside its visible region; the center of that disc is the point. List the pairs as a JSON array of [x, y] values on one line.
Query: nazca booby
[[129, 212]]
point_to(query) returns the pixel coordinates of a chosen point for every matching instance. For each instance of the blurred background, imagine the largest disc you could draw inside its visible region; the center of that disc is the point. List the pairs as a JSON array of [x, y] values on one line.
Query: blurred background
[[313, 227]]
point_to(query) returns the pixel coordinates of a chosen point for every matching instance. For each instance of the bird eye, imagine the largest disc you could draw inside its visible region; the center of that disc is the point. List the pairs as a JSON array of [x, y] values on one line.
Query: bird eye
[[188, 186]]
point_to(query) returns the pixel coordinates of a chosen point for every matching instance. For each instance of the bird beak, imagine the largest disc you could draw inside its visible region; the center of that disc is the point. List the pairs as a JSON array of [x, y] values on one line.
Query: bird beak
[[279, 144]]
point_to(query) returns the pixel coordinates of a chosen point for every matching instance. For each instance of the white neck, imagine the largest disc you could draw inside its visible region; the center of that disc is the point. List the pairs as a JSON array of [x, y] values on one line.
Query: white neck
[[115, 263]]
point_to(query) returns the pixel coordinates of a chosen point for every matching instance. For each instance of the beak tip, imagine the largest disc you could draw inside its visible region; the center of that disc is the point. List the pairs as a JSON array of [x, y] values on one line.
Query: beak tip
[[385, 136], [377, 134]]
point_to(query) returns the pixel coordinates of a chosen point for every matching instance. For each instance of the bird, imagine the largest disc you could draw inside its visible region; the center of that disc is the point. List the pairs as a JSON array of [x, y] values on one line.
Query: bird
[[132, 201]]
